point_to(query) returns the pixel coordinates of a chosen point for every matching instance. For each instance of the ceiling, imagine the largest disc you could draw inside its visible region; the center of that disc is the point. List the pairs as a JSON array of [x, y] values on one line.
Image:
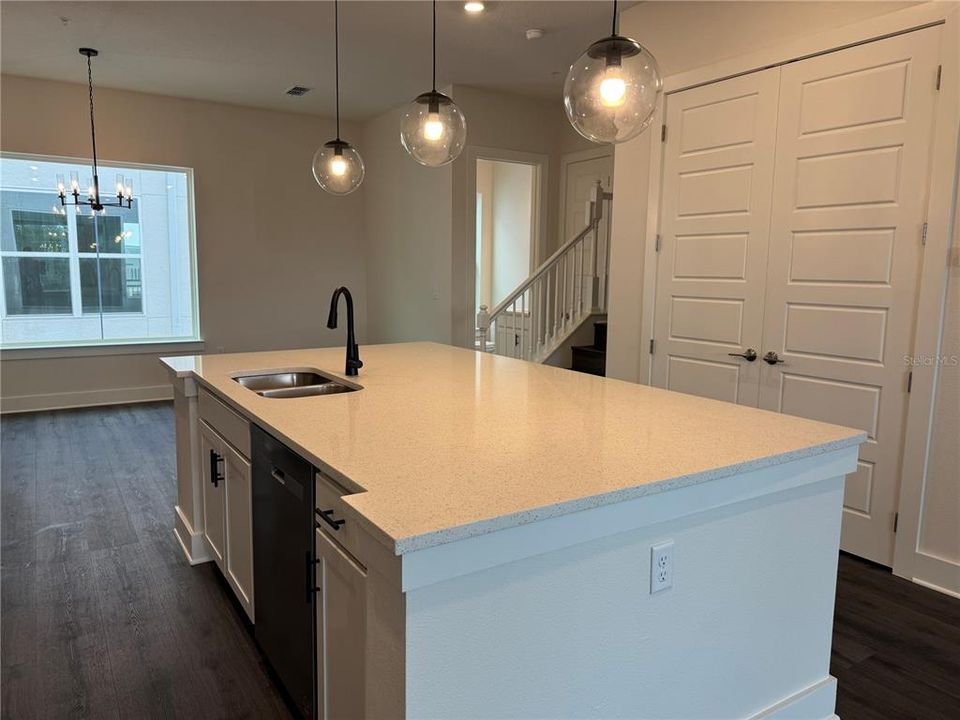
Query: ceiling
[[249, 53]]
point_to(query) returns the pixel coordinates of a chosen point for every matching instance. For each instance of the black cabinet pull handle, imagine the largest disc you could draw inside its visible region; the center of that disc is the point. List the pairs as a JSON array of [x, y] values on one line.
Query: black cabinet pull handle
[[327, 517], [216, 472]]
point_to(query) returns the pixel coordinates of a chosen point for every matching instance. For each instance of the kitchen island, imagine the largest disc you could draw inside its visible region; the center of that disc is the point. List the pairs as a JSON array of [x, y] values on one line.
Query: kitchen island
[[501, 539]]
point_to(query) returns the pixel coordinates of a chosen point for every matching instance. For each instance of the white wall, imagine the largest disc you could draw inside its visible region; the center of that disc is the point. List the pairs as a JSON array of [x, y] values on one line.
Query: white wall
[[512, 219], [407, 226], [505, 122], [417, 222], [271, 245]]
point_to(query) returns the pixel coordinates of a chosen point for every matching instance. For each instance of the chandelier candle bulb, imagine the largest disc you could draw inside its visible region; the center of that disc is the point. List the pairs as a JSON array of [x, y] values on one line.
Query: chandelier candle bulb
[[61, 187], [128, 188]]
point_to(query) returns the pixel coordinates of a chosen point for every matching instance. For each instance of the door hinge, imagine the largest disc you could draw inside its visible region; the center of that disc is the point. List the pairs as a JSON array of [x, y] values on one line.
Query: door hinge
[[923, 234], [939, 75], [663, 133], [651, 346], [657, 244], [896, 521], [910, 381]]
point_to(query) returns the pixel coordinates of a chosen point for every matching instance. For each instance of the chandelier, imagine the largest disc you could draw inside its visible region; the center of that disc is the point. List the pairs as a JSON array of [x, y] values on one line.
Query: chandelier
[[93, 200]]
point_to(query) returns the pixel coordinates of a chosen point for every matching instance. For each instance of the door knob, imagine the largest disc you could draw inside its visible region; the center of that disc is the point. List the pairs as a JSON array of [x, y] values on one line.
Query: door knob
[[772, 358], [749, 355]]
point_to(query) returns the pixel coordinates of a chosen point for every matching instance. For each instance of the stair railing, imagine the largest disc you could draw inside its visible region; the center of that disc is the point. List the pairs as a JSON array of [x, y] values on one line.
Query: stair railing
[[533, 320]]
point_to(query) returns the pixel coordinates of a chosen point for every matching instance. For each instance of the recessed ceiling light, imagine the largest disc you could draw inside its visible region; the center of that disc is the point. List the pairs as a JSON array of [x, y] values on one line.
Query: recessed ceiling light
[[534, 34], [474, 7]]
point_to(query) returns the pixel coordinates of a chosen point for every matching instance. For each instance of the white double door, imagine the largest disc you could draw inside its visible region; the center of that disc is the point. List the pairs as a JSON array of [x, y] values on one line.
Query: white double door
[[793, 204]]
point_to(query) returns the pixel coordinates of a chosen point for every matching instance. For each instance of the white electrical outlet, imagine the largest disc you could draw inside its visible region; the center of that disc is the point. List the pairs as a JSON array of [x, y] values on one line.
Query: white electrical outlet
[[661, 566]]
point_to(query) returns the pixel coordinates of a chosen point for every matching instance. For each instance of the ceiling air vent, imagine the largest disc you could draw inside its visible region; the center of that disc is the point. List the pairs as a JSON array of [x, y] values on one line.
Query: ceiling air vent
[[298, 91]]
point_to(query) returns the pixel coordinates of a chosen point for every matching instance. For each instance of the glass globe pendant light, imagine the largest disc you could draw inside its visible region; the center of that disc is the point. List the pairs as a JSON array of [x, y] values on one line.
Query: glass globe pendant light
[[337, 166], [611, 91], [433, 130]]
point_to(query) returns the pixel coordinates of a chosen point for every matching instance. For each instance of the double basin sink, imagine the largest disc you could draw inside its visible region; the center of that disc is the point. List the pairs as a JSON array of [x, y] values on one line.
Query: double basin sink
[[295, 384]]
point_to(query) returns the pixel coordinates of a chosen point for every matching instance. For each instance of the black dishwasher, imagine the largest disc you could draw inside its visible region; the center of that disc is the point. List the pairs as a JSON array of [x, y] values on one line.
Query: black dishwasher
[[283, 509]]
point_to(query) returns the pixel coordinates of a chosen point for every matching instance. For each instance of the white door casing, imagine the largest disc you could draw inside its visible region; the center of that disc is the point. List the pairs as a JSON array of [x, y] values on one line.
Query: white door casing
[[715, 217], [849, 200]]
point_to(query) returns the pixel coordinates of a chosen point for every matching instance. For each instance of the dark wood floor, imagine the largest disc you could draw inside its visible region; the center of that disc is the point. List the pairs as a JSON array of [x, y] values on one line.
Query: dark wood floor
[[102, 618]]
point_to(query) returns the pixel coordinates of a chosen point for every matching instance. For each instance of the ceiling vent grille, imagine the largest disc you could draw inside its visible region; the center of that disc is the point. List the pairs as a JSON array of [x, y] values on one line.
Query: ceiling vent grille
[[298, 91]]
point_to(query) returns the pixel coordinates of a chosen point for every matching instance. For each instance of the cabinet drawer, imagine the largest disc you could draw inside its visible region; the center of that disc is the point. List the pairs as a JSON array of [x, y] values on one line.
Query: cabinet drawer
[[329, 498], [232, 427]]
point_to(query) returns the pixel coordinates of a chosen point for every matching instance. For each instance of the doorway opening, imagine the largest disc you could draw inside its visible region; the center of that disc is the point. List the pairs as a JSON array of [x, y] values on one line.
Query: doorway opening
[[506, 225]]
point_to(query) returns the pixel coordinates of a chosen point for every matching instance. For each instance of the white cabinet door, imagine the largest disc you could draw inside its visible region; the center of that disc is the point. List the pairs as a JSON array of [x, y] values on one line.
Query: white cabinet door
[[212, 465], [341, 632], [715, 219], [852, 168], [239, 527]]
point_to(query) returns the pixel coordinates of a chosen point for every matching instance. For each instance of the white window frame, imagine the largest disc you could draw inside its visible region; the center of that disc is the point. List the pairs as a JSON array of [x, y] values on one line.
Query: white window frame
[[108, 346]]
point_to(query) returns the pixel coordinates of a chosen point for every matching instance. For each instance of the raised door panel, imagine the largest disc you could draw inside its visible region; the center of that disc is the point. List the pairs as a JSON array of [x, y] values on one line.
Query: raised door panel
[[849, 199], [239, 527], [212, 470], [341, 632], [718, 172]]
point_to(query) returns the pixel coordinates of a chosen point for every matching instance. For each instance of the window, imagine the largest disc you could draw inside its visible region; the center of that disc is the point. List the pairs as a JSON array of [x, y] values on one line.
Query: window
[[74, 277]]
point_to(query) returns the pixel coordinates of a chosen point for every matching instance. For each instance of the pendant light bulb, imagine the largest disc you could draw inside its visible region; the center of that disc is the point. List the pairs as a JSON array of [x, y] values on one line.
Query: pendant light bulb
[[433, 130], [613, 88], [433, 127], [611, 91], [337, 165]]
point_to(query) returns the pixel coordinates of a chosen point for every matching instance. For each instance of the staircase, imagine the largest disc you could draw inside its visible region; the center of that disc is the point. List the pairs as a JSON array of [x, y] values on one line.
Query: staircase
[[592, 359], [568, 288]]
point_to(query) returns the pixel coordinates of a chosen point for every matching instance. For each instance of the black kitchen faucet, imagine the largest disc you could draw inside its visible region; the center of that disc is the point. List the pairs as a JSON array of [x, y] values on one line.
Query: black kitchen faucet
[[354, 363]]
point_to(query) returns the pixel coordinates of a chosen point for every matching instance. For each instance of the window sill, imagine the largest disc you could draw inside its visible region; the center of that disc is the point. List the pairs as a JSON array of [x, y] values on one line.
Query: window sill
[[146, 347]]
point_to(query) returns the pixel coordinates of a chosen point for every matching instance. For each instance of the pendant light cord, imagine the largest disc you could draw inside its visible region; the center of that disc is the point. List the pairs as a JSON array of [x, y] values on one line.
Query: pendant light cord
[[434, 45], [336, 62], [93, 129], [613, 30]]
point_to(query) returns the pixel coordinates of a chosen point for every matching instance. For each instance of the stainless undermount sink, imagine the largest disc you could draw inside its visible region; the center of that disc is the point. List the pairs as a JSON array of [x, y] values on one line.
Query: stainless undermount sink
[[294, 384]]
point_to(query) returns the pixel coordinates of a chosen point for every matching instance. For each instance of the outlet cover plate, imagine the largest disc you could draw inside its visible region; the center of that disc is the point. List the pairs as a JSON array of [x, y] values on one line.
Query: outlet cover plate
[[661, 566]]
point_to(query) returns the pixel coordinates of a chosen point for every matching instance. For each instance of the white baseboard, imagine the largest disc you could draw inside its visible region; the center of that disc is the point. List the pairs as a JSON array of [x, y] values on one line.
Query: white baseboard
[[84, 398], [192, 543], [815, 702]]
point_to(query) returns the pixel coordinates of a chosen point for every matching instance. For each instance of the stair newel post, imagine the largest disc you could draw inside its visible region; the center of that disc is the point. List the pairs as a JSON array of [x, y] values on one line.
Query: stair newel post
[[483, 326]]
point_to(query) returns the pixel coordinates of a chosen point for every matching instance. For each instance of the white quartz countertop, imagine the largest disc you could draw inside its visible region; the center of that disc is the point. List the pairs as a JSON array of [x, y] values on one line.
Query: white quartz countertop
[[445, 443]]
